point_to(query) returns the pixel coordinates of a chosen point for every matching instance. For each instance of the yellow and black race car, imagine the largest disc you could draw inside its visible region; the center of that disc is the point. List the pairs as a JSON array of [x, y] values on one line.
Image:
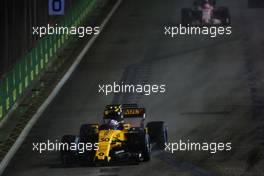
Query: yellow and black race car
[[122, 136]]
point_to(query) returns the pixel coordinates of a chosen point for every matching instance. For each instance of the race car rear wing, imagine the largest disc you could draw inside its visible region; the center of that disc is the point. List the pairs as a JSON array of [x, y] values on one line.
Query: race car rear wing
[[127, 111], [134, 113]]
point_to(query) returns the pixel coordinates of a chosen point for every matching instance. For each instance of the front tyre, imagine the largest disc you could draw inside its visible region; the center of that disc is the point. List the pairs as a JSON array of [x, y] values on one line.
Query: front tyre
[[88, 135], [68, 156], [146, 148]]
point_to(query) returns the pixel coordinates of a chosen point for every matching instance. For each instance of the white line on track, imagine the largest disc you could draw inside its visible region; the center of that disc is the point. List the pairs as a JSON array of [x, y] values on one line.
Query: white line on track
[[53, 94]]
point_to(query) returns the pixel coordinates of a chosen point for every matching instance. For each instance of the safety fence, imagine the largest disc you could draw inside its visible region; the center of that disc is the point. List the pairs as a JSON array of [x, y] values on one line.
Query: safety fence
[[28, 69]]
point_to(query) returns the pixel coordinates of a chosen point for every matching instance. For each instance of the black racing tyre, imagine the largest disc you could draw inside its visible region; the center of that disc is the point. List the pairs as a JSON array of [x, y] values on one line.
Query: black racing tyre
[[88, 134], [138, 142], [88, 130], [68, 156], [197, 16], [226, 17], [145, 147], [186, 16], [158, 134], [223, 14]]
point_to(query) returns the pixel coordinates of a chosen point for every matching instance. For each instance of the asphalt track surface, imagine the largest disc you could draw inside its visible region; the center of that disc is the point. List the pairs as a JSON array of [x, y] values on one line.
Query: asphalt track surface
[[214, 92]]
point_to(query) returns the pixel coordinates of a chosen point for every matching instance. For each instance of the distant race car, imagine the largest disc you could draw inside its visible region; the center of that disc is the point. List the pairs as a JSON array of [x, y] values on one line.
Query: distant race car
[[205, 13], [121, 137]]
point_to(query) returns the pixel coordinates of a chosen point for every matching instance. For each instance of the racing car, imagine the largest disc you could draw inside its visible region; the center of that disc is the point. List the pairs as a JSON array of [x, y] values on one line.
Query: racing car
[[122, 136], [204, 13]]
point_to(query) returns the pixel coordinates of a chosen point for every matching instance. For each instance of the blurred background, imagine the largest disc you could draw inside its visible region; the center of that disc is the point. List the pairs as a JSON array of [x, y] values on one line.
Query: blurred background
[[16, 20]]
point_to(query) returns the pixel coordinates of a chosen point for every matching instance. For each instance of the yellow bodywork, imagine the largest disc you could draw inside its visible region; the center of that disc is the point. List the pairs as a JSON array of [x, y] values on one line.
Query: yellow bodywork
[[109, 139]]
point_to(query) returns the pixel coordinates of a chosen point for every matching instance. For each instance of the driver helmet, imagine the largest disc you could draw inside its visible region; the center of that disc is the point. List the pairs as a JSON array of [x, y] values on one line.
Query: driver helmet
[[113, 123]]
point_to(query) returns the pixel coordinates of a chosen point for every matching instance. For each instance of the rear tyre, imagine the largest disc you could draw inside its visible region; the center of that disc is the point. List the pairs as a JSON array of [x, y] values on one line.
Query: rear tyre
[[223, 14], [158, 133]]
